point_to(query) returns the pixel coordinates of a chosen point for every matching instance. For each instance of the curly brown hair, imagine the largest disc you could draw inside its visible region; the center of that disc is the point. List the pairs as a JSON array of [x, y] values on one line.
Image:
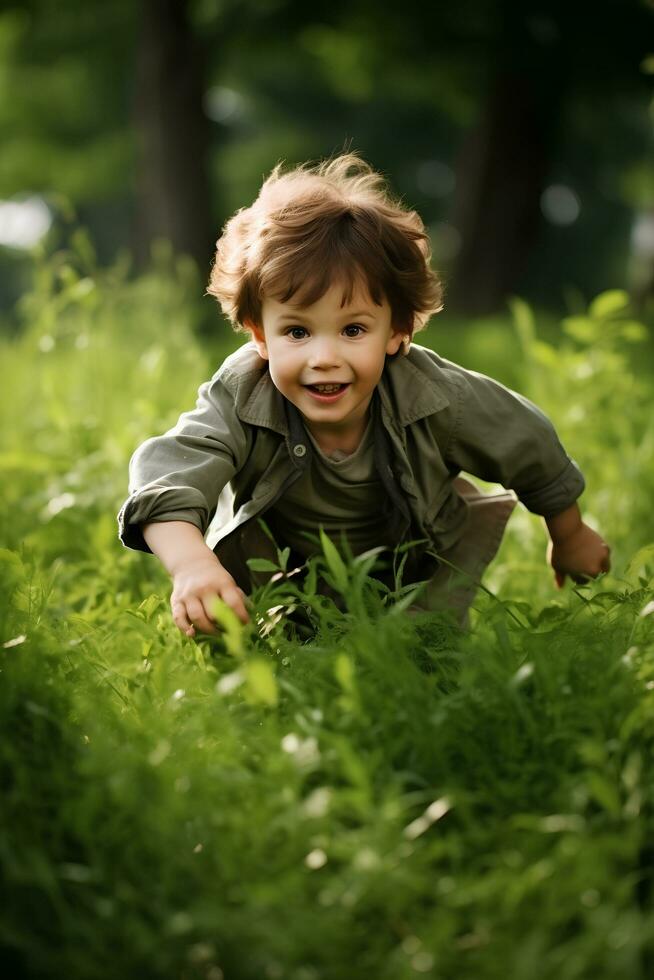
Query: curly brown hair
[[314, 225]]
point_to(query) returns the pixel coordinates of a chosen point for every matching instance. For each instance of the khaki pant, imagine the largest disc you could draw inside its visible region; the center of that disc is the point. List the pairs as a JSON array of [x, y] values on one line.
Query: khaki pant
[[451, 587], [455, 582]]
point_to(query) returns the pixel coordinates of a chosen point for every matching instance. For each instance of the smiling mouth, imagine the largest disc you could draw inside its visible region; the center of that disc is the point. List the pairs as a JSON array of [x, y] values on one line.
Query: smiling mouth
[[328, 388]]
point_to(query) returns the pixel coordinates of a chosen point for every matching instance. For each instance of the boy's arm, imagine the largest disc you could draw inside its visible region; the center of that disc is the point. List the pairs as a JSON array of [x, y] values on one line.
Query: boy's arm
[[198, 577], [503, 437], [178, 477], [575, 549]]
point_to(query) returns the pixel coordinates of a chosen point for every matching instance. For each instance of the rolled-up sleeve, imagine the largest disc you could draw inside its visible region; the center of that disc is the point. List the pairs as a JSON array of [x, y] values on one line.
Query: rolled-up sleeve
[[179, 476], [500, 436]]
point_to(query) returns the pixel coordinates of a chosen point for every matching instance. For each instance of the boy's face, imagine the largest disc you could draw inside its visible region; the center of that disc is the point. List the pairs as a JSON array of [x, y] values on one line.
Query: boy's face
[[327, 358]]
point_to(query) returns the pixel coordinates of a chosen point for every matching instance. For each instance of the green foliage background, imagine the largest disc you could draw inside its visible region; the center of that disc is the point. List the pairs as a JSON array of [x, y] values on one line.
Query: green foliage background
[[378, 794], [407, 85]]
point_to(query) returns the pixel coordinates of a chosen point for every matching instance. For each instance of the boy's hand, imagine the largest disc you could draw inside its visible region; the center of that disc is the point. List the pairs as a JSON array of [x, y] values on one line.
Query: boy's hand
[[581, 554], [196, 583]]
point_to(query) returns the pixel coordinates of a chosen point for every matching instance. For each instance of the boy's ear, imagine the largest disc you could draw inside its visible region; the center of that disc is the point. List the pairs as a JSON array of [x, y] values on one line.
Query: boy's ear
[[395, 341], [258, 338]]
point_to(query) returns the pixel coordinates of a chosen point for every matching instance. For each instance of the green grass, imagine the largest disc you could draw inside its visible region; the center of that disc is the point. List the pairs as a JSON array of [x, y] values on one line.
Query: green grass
[[378, 794]]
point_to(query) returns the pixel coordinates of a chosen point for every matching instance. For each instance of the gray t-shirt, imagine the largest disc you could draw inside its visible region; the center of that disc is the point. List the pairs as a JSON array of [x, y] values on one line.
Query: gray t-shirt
[[341, 493]]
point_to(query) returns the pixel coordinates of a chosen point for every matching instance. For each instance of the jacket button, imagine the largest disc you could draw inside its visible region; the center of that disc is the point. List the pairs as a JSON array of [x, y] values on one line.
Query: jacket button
[[299, 450]]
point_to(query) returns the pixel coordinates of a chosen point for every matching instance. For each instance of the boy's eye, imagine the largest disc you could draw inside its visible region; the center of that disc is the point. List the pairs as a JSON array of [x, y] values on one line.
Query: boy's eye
[[353, 330], [297, 333]]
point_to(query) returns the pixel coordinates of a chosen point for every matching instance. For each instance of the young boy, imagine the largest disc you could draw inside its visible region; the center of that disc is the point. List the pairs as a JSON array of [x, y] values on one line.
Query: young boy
[[331, 417]]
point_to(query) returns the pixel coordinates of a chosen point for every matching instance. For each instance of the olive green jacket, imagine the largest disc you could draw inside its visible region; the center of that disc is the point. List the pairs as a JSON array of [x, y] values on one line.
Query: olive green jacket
[[233, 456]]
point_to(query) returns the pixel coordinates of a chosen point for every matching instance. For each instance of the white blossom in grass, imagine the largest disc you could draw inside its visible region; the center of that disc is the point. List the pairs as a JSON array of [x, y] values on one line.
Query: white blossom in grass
[[290, 743], [46, 343], [201, 952], [435, 811], [629, 655], [559, 823], [160, 752], [316, 859], [522, 674], [62, 502], [366, 859], [179, 923], [24, 222], [422, 962], [317, 803], [305, 751], [229, 682], [17, 640]]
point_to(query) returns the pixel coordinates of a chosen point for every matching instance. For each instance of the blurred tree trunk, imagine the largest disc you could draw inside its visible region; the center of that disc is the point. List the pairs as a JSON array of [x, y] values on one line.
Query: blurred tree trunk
[[505, 162], [501, 172], [172, 185]]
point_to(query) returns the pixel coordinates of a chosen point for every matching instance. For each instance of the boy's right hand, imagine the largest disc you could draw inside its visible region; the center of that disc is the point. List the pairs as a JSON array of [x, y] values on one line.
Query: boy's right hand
[[196, 584]]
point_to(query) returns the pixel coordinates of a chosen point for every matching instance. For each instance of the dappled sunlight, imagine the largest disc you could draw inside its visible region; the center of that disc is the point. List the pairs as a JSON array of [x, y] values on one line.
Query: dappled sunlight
[[23, 223]]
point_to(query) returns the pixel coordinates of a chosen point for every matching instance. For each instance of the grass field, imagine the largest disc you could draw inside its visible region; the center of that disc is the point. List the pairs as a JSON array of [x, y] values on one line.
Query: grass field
[[386, 797]]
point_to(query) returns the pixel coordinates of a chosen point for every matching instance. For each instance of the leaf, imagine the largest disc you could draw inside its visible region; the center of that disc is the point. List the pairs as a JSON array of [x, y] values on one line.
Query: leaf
[[609, 303], [604, 792], [644, 557], [407, 545], [580, 328], [633, 331], [149, 606], [399, 571], [10, 557], [311, 580], [344, 672], [550, 618], [366, 556], [523, 319], [231, 626], [546, 355], [266, 530], [260, 682], [354, 769], [335, 563], [262, 565], [409, 597], [365, 562], [83, 246], [27, 462]]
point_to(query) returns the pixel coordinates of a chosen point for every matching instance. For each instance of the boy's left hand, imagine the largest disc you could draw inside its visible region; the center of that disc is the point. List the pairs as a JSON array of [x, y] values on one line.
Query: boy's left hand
[[583, 554]]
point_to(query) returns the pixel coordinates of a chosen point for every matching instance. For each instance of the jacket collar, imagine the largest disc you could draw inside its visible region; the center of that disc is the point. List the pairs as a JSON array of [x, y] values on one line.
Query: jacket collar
[[265, 405], [405, 392]]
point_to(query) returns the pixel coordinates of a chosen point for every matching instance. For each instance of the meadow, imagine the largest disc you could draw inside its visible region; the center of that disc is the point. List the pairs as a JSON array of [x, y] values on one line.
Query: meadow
[[371, 794]]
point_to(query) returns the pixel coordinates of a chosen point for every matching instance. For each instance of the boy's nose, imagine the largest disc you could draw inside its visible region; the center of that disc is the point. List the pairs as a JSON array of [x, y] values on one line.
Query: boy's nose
[[323, 354]]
